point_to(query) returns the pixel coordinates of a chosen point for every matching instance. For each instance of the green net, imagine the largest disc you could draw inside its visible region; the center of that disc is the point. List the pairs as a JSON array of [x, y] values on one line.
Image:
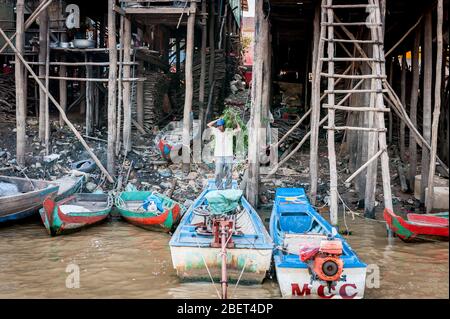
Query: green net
[[223, 201]]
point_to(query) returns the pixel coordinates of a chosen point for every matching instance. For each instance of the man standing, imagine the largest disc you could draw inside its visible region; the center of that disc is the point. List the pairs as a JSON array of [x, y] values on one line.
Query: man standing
[[223, 151]]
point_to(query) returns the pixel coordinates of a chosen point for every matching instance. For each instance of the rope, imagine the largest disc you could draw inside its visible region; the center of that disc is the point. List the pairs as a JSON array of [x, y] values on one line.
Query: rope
[[207, 269], [240, 276]]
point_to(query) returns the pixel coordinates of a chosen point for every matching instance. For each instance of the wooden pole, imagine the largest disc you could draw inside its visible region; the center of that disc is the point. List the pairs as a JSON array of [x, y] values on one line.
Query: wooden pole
[[112, 87], [403, 98], [252, 185], [391, 76], [21, 102], [437, 107], [127, 88], [212, 39], [187, 114], [315, 99], [201, 93], [47, 90], [69, 124], [62, 83], [140, 88], [120, 90], [267, 84], [43, 46], [413, 108], [89, 99], [427, 86]]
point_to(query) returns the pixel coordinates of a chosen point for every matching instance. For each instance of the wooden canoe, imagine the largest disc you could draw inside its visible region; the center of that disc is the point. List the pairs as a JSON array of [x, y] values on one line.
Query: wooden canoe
[[68, 185], [28, 201], [408, 230], [75, 212], [439, 219], [129, 206]]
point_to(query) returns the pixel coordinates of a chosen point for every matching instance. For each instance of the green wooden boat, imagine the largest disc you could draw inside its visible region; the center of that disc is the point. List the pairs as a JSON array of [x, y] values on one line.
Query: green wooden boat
[[130, 205]]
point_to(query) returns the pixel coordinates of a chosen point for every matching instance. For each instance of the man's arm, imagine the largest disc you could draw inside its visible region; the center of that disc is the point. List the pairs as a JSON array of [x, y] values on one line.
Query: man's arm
[[211, 124]]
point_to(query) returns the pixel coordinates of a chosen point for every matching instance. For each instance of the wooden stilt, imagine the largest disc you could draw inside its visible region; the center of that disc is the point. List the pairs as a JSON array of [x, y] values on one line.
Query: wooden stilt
[[120, 89], [187, 114], [437, 107], [315, 99], [89, 99], [21, 102], [212, 41], [47, 90], [112, 87], [252, 185], [403, 98], [201, 93], [43, 46], [427, 109], [62, 83], [413, 108], [140, 88], [127, 87]]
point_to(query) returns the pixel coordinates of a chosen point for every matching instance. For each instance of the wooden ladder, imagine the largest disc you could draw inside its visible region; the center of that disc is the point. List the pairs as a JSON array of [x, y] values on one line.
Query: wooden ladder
[[376, 109]]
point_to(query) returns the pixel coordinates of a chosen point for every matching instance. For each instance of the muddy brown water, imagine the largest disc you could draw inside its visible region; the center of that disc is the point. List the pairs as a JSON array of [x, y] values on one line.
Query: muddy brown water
[[118, 260]]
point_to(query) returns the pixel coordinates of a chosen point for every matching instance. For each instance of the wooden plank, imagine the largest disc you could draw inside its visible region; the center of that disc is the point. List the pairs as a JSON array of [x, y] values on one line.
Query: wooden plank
[[159, 10]]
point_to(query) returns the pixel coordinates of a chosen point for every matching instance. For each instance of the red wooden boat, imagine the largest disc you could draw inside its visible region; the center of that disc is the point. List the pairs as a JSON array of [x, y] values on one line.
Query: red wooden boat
[[434, 219], [408, 230]]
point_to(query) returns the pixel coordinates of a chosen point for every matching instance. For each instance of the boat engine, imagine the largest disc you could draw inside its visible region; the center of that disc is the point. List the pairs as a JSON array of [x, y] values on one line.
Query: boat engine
[[324, 262]]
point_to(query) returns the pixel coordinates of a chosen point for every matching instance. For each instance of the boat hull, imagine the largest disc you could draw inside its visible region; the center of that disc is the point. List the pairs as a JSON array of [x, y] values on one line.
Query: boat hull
[[189, 263], [59, 223], [295, 283], [20, 206], [411, 231]]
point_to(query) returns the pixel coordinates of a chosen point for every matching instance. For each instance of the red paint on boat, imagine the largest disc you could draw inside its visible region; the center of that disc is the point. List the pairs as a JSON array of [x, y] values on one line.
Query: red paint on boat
[[49, 206], [427, 219]]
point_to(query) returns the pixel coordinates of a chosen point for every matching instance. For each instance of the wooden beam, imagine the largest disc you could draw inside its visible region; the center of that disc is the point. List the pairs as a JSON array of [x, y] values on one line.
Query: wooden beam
[[112, 87], [21, 102], [187, 114], [127, 88], [318, 49], [402, 136], [427, 109], [437, 107], [413, 108], [43, 46], [201, 93], [62, 83], [140, 88]]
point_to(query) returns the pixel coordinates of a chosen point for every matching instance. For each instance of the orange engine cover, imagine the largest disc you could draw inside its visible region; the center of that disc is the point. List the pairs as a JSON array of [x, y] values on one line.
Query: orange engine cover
[[328, 268]]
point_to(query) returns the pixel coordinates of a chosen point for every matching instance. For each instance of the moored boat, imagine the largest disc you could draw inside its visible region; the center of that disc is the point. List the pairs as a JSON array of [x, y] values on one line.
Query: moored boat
[[74, 212], [311, 259], [440, 219], [24, 198], [416, 228], [133, 207], [197, 253], [68, 185]]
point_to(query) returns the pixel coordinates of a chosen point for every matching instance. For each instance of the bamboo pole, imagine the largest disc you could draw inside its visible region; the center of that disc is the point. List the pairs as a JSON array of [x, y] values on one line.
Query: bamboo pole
[[43, 47], [21, 102], [437, 107], [413, 108], [69, 124], [127, 88], [427, 109], [120, 90], [403, 99], [201, 93], [187, 114], [112, 87], [62, 83], [315, 99], [47, 89]]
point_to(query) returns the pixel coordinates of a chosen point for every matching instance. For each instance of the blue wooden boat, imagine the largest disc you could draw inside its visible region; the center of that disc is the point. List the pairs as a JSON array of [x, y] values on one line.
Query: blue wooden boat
[[311, 259], [26, 199], [195, 253]]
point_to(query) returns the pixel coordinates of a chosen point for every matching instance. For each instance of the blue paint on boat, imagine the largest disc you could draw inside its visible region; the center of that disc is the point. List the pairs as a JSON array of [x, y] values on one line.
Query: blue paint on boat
[[186, 235], [292, 213]]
